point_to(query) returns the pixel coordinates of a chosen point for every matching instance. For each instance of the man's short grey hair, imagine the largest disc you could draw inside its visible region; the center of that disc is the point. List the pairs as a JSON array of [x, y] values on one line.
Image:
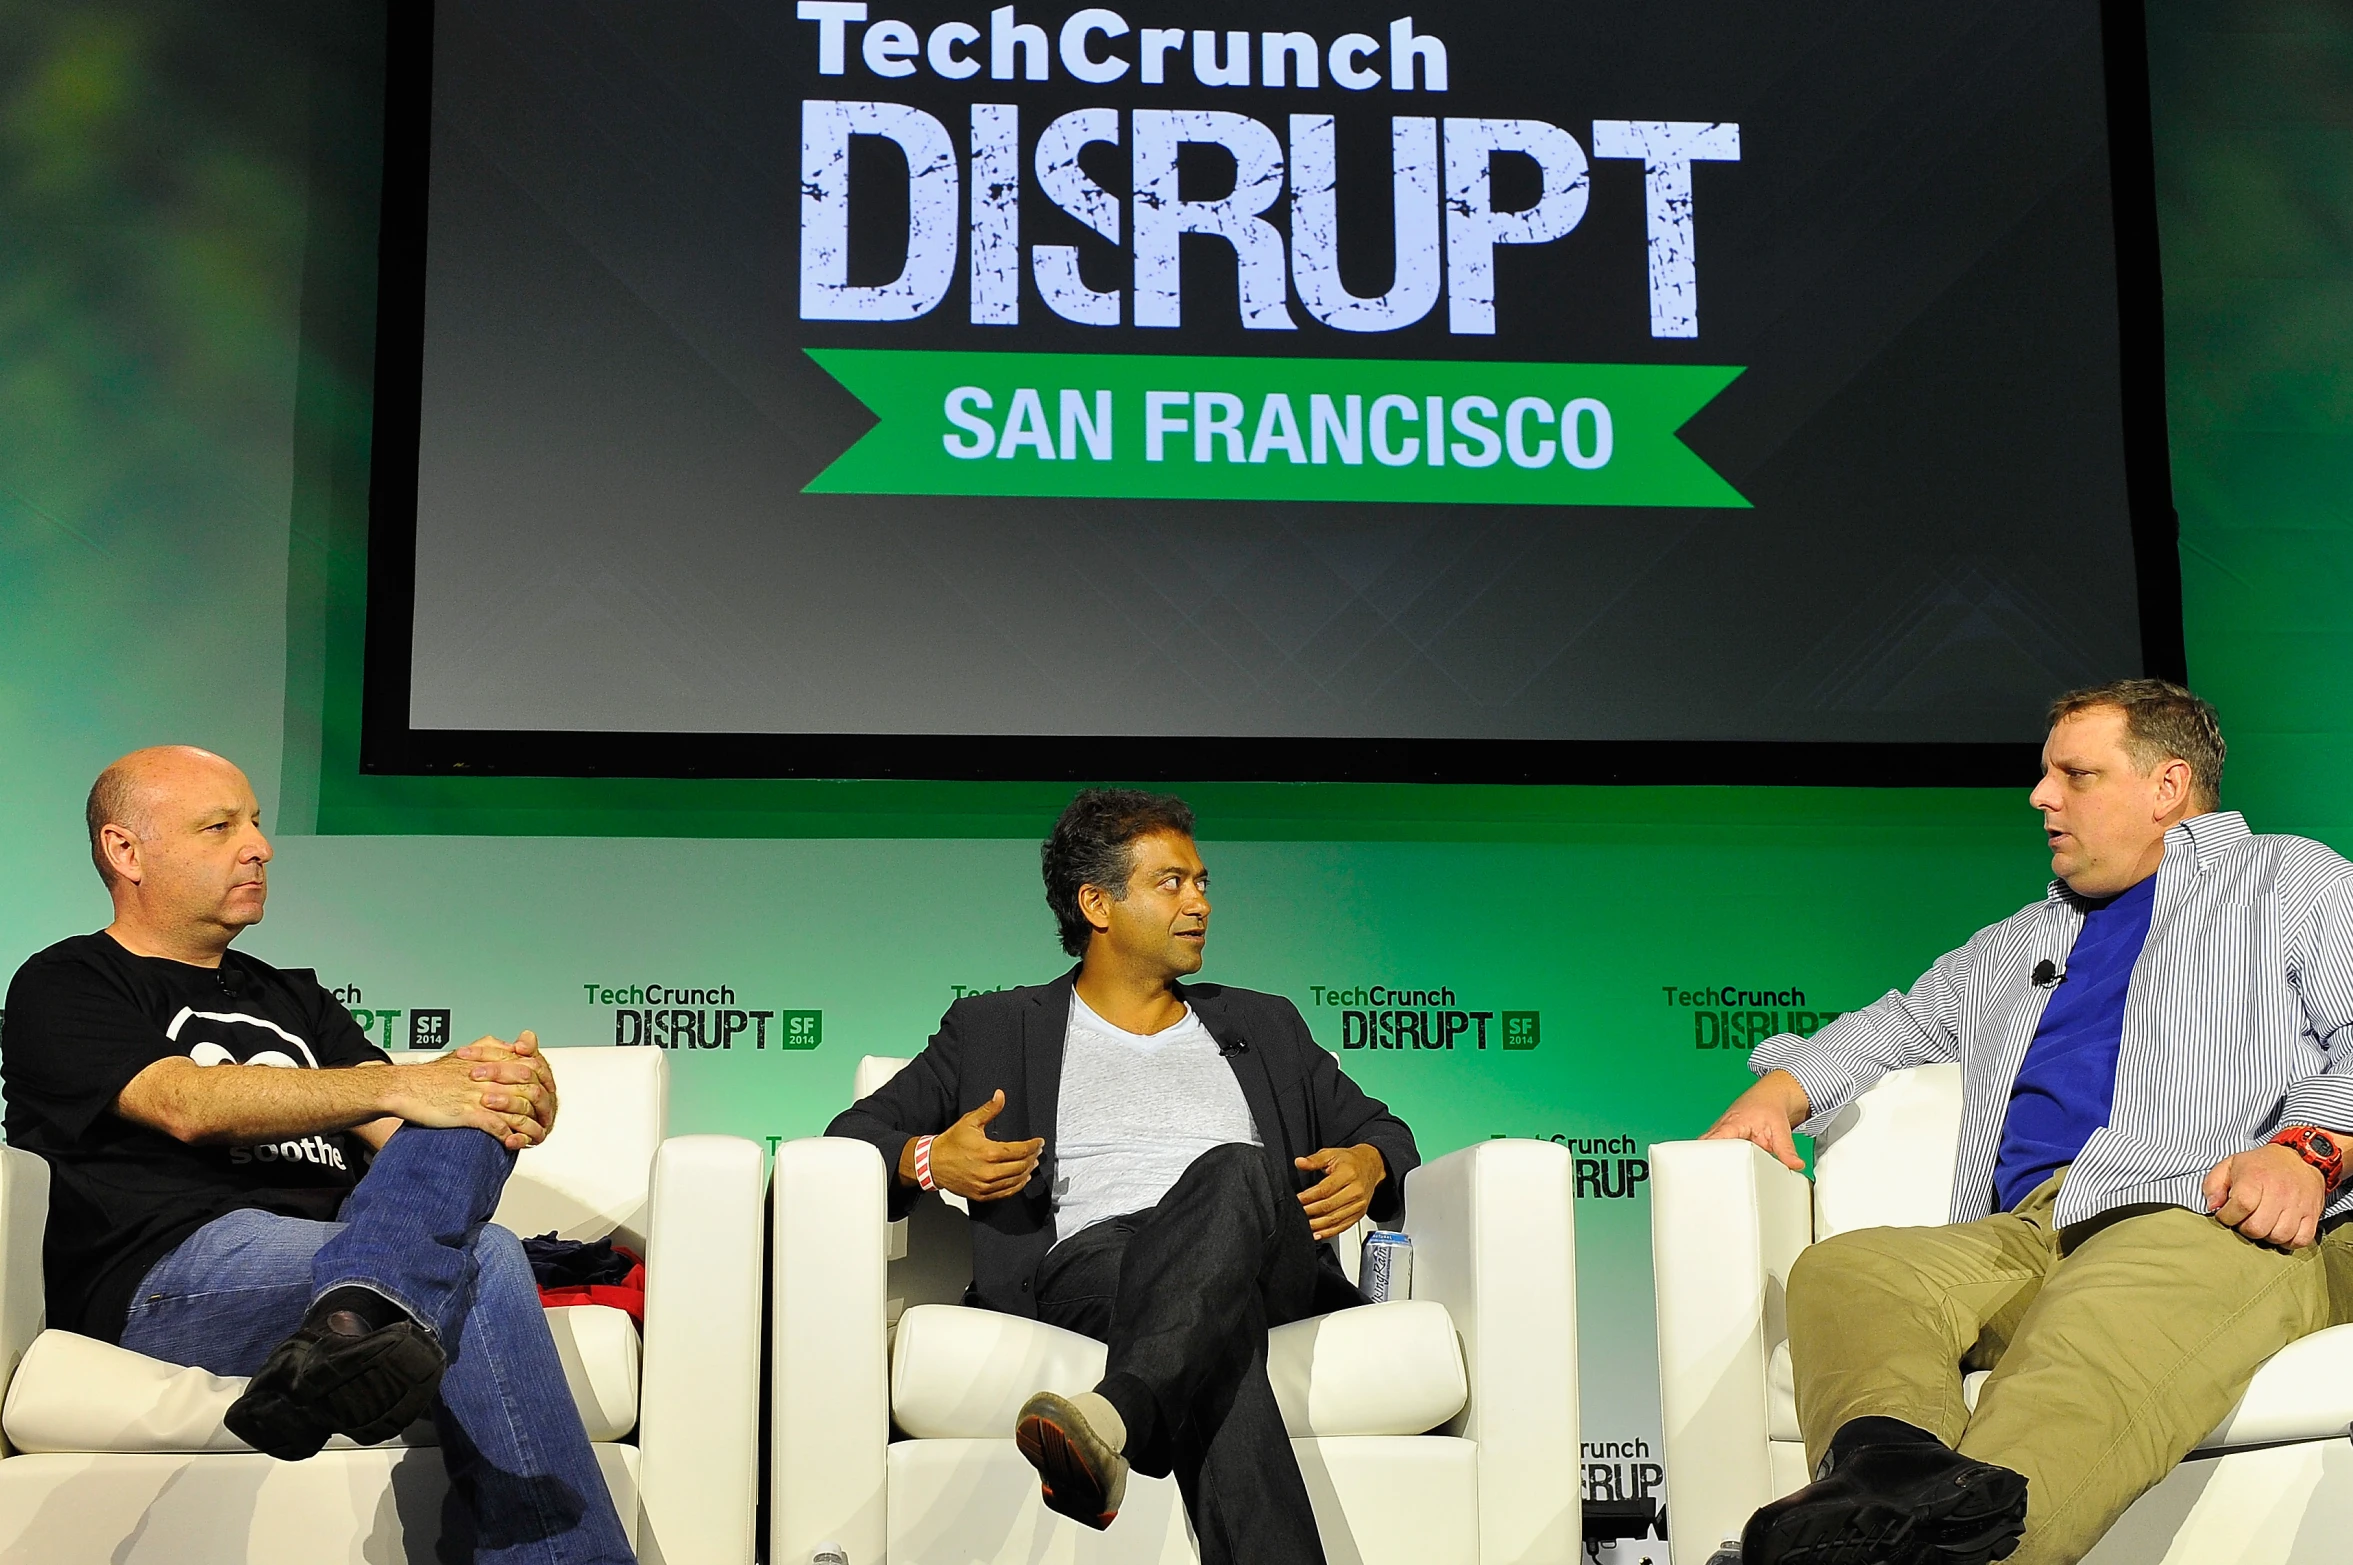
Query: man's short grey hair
[[2162, 722]]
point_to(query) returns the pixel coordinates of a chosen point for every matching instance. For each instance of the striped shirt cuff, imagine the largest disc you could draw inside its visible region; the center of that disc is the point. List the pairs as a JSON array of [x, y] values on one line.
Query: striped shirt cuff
[[2324, 1102], [1827, 1088]]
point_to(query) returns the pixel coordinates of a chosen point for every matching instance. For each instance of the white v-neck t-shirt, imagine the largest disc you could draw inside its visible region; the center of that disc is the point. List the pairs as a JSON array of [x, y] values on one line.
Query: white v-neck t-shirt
[[1135, 1110]]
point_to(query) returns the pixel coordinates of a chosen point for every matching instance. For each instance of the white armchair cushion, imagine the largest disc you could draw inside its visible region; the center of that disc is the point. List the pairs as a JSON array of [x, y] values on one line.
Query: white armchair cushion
[[77, 1394], [601, 1352], [1383, 1369], [1886, 1159]]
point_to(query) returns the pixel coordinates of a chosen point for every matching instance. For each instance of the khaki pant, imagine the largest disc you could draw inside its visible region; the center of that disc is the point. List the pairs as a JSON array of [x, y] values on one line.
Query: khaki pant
[[2115, 1345]]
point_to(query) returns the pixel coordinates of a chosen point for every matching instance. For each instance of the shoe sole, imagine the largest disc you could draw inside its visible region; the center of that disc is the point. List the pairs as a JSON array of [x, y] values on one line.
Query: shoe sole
[[1069, 1479], [1874, 1533]]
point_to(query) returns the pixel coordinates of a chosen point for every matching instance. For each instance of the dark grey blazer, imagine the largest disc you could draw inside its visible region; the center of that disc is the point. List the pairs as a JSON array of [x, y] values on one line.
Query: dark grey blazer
[[1013, 1039]]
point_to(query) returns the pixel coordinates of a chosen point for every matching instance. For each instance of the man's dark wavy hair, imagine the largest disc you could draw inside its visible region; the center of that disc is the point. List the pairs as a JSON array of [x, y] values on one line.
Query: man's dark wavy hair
[[1093, 844]]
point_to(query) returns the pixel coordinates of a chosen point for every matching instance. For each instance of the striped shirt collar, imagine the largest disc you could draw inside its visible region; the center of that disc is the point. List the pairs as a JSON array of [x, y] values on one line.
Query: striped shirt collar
[[2205, 836]]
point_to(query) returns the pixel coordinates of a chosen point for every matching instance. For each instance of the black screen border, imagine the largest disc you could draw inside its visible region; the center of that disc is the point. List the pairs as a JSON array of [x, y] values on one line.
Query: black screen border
[[389, 746]]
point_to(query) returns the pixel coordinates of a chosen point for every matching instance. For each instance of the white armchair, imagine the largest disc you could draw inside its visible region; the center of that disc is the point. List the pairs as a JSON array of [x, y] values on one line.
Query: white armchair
[[1440, 1430], [2272, 1484], [114, 1458]]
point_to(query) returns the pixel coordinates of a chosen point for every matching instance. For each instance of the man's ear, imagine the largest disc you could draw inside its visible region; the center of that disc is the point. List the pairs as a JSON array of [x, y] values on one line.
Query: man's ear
[[122, 852], [1094, 905], [2173, 786]]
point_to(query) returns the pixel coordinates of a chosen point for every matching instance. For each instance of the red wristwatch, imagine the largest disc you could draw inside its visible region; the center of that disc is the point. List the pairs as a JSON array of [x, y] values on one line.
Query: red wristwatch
[[2318, 1148]]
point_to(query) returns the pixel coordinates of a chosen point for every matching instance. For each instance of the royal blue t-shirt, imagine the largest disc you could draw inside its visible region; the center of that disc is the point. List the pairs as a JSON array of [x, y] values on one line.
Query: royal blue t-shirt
[[2067, 1082]]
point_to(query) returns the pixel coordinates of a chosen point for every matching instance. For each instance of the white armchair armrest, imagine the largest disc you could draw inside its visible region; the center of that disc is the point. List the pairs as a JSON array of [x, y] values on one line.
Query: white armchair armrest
[[24, 1215], [830, 1401], [699, 1400], [1494, 1240], [1726, 1223]]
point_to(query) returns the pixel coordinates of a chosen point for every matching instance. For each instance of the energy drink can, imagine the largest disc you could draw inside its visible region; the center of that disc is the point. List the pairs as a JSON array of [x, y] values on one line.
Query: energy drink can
[[1387, 1267]]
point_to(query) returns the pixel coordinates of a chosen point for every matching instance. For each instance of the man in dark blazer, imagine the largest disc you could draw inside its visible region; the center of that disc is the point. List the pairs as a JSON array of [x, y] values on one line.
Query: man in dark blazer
[[1155, 1164]]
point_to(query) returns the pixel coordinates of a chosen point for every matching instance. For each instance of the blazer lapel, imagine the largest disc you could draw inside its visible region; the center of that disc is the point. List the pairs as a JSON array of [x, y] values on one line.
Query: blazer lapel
[[1045, 1021], [1249, 1064]]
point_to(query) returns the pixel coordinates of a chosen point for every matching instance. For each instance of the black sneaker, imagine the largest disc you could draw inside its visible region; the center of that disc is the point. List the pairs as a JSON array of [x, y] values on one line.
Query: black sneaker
[[366, 1372], [1909, 1502], [1079, 1475]]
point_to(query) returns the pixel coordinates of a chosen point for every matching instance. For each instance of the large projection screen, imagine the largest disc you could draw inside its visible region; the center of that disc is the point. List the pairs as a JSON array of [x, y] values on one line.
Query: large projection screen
[[1688, 390]]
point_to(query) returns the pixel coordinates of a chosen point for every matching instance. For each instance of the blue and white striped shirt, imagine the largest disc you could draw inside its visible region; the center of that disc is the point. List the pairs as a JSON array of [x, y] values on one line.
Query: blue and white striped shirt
[[2239, 1020]]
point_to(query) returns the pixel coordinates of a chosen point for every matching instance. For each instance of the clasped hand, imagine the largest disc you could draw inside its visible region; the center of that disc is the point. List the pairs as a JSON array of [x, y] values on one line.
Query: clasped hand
[[506, 1090]]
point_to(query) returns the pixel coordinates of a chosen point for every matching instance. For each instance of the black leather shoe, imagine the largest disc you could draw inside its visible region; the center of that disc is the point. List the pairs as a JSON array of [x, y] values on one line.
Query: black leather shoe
[[1899, 1503], [268, 1418], [338, 1374]]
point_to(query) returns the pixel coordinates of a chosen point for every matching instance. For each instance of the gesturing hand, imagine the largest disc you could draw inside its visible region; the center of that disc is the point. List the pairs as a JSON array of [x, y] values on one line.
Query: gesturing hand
[[2270, 1194], [966, 1161], [1335, 1202]]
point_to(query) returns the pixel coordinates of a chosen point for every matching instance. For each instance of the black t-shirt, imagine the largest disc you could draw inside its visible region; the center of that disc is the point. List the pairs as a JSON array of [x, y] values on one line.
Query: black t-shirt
[[84, 1017]]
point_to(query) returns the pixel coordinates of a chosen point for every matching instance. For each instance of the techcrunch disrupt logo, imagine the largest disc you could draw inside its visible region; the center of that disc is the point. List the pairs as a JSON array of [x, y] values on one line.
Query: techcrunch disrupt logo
[[1384, 1016], [1098, 424], [1445, 225], [428, 1027], [1728, 1017], [670, 1016]]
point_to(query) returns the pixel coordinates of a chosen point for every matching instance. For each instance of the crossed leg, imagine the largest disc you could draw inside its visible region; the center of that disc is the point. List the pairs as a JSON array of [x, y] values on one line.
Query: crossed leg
[[524, 1485]]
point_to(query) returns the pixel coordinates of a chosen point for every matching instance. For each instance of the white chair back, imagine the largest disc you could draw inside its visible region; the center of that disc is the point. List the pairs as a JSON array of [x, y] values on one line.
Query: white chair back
[[593, 1175], [873, 1071], [1886, 1159], [929, 1254]]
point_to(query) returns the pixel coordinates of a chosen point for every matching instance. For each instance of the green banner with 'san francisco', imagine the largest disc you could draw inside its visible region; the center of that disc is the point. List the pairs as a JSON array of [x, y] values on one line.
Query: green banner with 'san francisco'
[[1149, 426]]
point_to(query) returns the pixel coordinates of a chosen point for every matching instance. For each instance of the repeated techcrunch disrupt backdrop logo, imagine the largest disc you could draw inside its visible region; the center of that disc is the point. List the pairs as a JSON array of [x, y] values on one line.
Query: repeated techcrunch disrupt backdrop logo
[[397, 1026], [700, 1016], [1727, 1016], [1120, 424], [1395, 1016]]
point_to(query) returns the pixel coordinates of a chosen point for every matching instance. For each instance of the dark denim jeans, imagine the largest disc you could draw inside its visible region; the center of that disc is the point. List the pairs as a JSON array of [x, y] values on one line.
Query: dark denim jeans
[[524, 1487]]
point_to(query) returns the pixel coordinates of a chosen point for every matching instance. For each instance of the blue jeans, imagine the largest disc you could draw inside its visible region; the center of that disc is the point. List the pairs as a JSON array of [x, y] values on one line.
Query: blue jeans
[[524, 1487]]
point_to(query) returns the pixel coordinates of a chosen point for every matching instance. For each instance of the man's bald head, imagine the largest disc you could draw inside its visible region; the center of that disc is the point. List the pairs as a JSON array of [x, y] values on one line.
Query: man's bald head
[[127, 793], [177, 835]]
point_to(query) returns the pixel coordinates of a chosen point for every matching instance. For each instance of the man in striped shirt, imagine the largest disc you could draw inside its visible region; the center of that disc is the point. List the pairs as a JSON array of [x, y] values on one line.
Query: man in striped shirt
[[2157, 1062]]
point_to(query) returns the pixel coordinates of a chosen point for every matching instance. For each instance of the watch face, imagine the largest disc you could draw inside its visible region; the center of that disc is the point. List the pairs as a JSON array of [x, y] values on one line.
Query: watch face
[[2322, 1144]]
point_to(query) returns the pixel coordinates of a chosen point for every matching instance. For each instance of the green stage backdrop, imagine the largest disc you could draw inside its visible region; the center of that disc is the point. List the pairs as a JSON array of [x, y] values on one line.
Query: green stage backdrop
[[186, 307]]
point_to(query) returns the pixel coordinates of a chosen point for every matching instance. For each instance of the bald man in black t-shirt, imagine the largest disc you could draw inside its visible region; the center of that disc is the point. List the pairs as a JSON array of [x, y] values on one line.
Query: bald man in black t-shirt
[[239, 1183]]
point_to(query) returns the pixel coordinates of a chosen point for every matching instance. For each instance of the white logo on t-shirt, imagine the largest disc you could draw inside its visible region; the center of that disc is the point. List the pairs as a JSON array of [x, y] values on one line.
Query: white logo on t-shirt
[[236, 1038], [230, 1042]]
